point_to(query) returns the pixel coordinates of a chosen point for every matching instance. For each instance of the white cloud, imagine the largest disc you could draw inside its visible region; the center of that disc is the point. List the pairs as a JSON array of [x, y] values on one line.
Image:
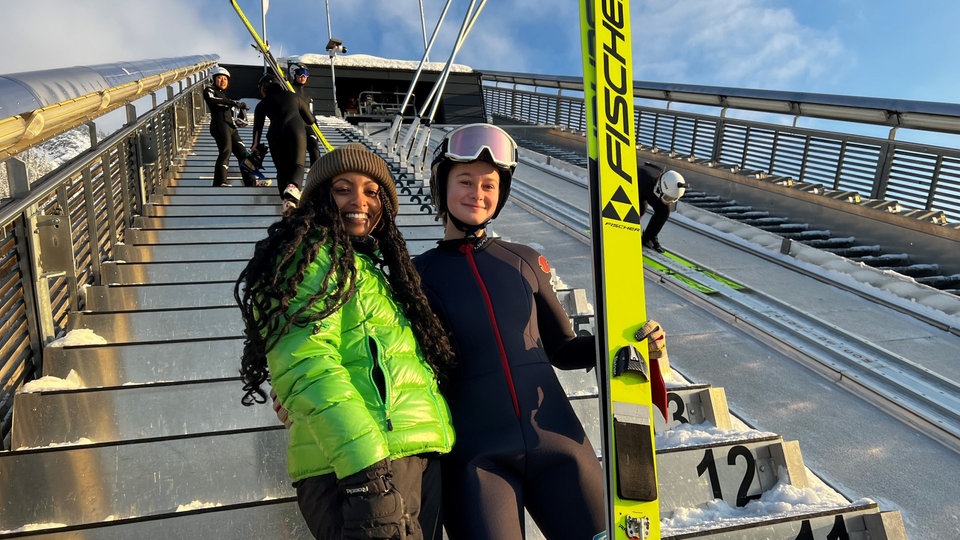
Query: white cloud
[[742, 43], [62, 33]]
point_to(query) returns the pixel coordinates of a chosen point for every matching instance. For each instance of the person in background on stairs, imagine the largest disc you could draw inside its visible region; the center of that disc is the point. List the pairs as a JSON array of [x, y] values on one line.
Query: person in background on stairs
[[336, 321], [223, 127], [298, 78], [520, 444], [286, 136], [660, 189]]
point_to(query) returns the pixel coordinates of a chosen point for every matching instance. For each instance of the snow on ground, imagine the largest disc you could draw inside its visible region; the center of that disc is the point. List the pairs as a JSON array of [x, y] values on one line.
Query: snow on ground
[[782, 501], [49, 383], [80, 336], [372, 62]]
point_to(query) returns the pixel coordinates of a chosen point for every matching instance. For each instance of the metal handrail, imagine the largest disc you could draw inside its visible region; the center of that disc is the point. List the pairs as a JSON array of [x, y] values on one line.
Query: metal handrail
[[918, 180], [897, 113], [60, 229], [90, 93]]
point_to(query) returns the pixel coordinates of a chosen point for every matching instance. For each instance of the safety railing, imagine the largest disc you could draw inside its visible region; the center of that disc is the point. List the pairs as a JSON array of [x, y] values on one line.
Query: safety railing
[[56, 231], [919, 180]]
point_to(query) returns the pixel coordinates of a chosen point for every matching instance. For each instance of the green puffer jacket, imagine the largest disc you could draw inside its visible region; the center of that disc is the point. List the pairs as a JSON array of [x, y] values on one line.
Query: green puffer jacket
[[356, 384]]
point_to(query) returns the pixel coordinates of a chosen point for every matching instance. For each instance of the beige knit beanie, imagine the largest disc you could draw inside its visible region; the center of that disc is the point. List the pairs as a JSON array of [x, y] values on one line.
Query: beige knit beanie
[[353, 157]]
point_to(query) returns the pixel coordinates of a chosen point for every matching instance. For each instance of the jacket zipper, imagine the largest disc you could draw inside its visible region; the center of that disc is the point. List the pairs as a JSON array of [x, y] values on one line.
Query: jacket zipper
[[378, 368], [467, 249]]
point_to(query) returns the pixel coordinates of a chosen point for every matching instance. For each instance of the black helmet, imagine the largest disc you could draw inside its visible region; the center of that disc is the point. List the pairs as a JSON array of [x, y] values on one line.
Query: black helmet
[[468, 143], [267, 79]]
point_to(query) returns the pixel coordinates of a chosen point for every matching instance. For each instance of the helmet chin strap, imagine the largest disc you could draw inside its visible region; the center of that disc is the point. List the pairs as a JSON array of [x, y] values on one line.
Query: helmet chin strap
[[468, 230]]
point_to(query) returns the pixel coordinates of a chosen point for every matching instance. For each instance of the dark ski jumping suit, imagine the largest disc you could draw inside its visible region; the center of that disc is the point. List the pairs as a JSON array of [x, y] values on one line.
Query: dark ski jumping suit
[[519, 441], [647, 176], [286, 136], [313, 143], [224, 130]]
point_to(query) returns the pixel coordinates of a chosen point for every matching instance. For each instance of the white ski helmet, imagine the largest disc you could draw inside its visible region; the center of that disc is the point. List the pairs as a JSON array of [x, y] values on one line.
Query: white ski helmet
[[220, 71], [670, 186]]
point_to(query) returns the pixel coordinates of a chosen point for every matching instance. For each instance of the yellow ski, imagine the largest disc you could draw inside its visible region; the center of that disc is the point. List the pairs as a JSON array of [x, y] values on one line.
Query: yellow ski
[[626, 414], [274, 66]]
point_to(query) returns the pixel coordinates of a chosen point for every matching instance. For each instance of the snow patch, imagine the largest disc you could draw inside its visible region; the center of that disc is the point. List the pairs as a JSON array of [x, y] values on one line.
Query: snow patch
[[49, 383], [80, 336], [781, 501], [81, 440], [197, 505]]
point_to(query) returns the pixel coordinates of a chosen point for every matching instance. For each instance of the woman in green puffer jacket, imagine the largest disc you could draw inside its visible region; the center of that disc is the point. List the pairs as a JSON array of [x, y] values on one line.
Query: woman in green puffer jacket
[[335, 318]]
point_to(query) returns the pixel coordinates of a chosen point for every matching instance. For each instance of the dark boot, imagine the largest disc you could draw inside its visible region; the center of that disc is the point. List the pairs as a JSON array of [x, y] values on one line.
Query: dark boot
[[653, 244]]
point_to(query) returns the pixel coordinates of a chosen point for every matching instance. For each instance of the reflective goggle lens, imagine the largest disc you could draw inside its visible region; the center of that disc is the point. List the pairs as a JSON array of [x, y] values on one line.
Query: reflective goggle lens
[[469, 142], [301, 72]]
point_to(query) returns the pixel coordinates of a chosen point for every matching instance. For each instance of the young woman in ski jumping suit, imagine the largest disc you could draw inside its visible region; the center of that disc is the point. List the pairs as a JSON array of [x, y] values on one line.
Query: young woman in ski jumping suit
[[335, 318], [223, 127], [298, 78], [519, 442], [287, 138]]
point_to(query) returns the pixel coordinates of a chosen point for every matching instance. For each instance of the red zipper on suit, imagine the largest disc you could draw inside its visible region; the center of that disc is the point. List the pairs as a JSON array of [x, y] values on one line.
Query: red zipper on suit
[[467, 249]]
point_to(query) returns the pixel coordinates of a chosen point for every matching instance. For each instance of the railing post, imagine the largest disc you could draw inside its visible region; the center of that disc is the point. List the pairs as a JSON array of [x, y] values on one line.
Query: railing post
[[718, 140], [107, 179], [92, 232], [556, 108], [123, 170], [36, 302], [884, 166], [17, 177], [174, 112]]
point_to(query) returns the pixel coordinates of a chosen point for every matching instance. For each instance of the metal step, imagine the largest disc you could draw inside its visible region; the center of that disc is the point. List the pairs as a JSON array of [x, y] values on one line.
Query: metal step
[[159, 273], [150, 297], [110, 481], [130, 413], [271, 518], [205, 222], [143, 363], [193, 236], [735, 471], [161, 325], [860, 521]]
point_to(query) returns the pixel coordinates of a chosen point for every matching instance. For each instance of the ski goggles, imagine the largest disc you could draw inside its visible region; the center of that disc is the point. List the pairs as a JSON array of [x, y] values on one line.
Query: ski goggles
[[467, 144], [301, 72], [665, 197]]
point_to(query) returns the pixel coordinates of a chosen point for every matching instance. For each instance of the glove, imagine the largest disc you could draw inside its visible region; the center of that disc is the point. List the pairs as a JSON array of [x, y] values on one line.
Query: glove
[[371, 507], [656, 339], [657, 349], [282, 414]]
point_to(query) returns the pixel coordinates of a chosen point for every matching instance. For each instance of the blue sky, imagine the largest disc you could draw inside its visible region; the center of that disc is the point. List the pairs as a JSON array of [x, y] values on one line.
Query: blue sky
[[878, 48]]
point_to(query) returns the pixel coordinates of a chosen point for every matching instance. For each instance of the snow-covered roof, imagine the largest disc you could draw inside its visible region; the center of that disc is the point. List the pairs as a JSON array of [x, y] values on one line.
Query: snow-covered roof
[[373, 62]]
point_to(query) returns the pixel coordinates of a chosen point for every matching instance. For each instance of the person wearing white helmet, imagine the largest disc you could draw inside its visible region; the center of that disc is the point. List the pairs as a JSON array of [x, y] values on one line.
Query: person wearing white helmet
[[223, 127], [659, 189], [520, 445]]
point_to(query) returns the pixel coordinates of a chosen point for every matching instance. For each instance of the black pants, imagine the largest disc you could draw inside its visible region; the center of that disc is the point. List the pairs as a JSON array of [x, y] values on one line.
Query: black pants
[[313, 145], [228, 142], [661, 211], [288, 149], [416, 478]]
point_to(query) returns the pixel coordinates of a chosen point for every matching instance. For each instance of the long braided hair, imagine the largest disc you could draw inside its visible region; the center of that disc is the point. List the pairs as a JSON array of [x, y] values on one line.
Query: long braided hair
[[270, 280]]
